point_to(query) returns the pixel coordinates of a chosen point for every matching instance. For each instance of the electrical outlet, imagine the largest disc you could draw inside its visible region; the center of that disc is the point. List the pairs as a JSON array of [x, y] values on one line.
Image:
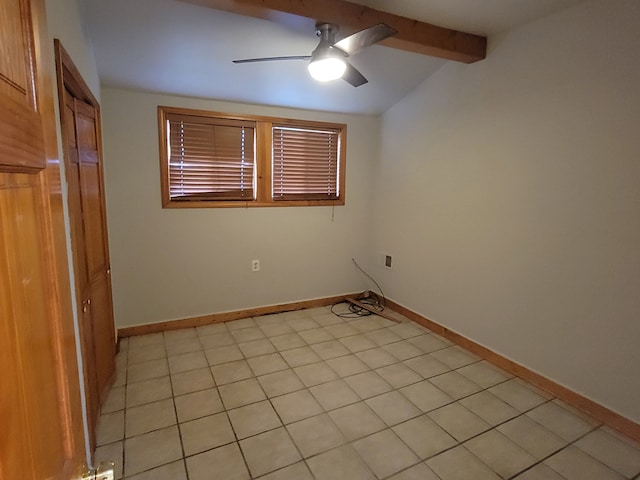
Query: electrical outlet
[[387, 260], [255, 265]]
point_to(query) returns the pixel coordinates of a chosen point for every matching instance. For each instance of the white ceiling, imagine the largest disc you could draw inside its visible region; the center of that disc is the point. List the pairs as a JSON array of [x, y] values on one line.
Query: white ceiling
[[183, 49]]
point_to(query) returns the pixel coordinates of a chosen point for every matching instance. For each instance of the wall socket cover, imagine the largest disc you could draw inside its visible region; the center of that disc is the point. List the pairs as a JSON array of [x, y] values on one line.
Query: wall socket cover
[[255, 265]]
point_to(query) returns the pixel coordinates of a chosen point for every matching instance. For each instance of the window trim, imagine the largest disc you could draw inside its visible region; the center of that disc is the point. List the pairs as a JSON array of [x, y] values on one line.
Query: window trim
[[263, 166]]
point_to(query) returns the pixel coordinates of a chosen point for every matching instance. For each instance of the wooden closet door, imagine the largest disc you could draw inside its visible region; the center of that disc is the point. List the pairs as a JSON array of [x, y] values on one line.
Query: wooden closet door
[[96, 243], [83, 290], [80, 121], [41, 432]]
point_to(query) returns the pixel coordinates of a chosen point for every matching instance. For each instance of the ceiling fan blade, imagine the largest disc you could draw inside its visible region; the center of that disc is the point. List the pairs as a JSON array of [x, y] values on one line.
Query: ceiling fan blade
[[365, 38], [353, 76], [273, 59]]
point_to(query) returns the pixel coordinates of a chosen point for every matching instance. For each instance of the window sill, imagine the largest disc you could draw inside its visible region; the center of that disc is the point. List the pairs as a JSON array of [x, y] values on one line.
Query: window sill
[[255, 204]]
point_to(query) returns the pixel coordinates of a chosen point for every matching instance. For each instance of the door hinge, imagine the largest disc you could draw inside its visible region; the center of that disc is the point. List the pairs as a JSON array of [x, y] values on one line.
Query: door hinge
[[105, 471]]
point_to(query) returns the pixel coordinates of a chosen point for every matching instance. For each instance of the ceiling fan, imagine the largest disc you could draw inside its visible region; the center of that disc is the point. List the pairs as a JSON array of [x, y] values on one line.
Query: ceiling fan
[[329, 59]]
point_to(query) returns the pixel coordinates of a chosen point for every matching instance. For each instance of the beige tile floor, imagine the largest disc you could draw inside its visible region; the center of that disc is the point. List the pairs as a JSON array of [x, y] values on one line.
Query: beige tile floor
[[309, 395]]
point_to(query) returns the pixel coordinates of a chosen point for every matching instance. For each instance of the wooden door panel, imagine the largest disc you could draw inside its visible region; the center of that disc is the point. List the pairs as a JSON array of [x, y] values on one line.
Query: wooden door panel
[[92, 210], [91, 189], [87, 139], [14, 439], [89, 354], [102, 324], [21, 134], [16, 69], [73, 188], [33, 426]]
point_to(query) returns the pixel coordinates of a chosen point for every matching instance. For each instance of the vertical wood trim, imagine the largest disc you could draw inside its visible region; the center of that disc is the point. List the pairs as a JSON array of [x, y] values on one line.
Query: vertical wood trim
[[342, 165], [263, 160], [164, 154]]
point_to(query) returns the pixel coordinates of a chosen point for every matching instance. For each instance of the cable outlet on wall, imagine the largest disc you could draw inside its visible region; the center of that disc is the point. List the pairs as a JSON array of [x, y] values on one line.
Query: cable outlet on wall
[[255, 265], [387, 260]]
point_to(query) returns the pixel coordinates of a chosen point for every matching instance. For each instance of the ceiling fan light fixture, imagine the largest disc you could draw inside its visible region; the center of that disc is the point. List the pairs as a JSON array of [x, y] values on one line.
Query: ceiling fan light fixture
[[327, 68], [329, 59]]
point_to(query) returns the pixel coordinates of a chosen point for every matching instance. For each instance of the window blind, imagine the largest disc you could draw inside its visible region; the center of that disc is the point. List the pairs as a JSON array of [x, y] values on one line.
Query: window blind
[[305, 164], [210, 158]]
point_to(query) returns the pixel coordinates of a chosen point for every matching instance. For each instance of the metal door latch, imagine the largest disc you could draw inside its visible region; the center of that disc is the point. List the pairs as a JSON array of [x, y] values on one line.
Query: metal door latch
[[105, 471]]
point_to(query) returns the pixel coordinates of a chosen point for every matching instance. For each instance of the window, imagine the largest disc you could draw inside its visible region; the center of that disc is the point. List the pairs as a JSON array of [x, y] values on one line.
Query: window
[[305, 163], [211, 159]]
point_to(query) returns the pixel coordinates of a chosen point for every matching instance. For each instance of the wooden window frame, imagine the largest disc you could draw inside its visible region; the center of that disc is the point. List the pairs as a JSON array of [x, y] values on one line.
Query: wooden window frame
[[263, 167]]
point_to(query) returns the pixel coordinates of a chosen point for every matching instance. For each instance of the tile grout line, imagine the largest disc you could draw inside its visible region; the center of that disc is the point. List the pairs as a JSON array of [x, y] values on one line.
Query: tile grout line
[[555, 452], [124, 414], [226, 410], [283, 425], [325, 412], [324, 361], [306, 388], [175, 408]]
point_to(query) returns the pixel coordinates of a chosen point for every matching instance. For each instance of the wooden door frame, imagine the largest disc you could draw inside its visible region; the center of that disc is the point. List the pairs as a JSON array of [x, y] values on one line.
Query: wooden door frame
[[69, 78], [67, 74]]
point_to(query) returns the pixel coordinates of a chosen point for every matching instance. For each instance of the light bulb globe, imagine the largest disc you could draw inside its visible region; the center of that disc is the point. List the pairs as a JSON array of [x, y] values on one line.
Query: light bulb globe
[[327, 68]]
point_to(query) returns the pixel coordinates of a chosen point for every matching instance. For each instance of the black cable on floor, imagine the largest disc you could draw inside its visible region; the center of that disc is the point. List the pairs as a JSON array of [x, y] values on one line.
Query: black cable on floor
[[372, 299]]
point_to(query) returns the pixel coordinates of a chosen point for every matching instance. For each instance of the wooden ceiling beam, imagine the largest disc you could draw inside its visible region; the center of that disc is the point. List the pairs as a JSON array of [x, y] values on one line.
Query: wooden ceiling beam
[[412, 36]]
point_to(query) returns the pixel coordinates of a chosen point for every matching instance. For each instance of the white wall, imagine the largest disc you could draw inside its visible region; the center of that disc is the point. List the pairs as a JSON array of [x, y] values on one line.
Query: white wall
[[64, 20], [178, 263], [508, 192]]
